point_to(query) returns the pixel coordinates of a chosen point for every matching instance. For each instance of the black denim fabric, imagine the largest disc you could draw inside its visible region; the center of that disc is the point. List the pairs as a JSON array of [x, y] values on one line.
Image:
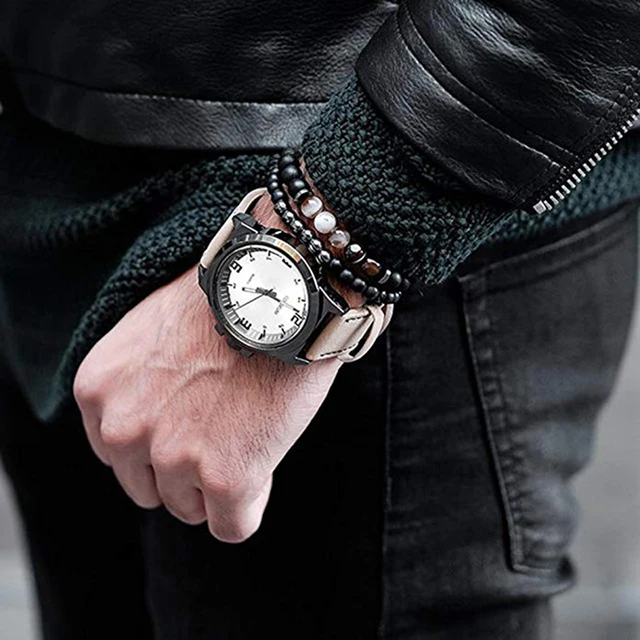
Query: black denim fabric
[[430, 499]]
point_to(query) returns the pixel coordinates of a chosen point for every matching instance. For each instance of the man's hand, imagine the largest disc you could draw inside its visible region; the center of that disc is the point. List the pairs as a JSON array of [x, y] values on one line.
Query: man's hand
[[184, 420]]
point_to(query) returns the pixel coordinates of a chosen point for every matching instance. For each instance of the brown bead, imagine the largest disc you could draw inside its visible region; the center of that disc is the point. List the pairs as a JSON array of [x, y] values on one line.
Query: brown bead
[[371, 268]]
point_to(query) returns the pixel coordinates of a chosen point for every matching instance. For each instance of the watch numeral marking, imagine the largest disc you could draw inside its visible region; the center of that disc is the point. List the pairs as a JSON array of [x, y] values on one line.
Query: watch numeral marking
[[297, 319], [235, 266], [243, 322]]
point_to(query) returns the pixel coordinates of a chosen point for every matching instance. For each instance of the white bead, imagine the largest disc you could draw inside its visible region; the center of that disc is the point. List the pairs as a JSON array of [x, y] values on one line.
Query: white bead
[[311, 206], [325, 222], [339, 239]]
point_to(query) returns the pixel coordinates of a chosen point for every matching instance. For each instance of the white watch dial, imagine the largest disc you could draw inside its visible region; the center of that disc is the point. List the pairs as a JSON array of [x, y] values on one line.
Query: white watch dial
[[262, 295]]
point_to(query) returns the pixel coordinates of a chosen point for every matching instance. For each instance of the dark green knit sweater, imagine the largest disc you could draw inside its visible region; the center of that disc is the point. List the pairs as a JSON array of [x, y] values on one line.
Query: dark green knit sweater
[[87, 231]]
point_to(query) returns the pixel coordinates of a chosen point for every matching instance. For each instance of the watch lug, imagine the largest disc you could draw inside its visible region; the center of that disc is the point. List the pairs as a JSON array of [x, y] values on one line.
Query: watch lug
[[332, 302], [244, 223], [219, 330]]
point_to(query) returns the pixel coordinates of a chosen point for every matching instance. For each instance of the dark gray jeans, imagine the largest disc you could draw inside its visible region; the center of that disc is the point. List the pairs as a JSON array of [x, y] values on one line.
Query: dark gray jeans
[[429, 499]]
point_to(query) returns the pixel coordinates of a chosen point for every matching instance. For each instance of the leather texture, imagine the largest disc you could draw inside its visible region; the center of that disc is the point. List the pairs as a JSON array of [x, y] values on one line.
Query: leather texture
[[511, 96], [184, 73], [347, 337]]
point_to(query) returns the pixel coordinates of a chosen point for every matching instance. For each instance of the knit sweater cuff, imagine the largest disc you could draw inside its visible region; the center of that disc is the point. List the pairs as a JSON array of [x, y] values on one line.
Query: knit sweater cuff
[[407, 212]]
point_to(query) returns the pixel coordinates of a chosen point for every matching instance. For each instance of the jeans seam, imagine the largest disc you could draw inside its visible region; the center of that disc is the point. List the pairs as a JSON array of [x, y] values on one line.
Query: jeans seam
[[483, 350]]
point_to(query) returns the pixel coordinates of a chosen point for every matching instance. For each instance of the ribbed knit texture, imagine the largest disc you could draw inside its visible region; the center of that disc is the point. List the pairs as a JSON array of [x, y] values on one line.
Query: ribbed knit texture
[[147, 215], [416, 217]]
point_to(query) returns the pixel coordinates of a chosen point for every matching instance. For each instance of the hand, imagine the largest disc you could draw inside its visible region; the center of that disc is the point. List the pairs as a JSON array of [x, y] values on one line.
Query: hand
[[184, 420]]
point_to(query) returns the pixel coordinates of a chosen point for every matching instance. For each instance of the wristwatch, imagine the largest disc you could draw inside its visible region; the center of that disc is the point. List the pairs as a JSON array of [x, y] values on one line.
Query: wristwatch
[[269, 296]]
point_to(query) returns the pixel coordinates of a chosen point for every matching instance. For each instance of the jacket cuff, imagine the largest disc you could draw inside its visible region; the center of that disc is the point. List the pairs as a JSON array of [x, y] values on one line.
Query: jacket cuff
[[405, 80], [407, 212]]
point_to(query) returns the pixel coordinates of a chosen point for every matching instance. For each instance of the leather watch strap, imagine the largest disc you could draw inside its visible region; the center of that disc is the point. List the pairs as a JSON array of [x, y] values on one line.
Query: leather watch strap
[[347, 337]]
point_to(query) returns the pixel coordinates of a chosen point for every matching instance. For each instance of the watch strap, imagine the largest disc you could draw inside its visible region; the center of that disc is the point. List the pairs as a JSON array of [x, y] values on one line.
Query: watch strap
[[346, 337], [349, 336]]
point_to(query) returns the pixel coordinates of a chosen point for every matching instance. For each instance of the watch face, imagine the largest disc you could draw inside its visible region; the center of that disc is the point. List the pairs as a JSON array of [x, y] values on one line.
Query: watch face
[[262, 295]]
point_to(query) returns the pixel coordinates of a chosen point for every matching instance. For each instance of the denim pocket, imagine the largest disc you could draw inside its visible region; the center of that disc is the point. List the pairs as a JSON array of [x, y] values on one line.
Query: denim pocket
[[546, 332]]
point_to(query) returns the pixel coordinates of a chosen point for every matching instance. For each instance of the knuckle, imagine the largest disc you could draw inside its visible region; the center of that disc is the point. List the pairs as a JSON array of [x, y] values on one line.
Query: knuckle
[[188, 517], [226, 484], [170, 457], [121, 434], [87, 385], [232, 533]]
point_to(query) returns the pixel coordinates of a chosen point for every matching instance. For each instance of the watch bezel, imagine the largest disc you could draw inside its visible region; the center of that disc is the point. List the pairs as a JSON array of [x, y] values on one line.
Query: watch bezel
[[294, 345]]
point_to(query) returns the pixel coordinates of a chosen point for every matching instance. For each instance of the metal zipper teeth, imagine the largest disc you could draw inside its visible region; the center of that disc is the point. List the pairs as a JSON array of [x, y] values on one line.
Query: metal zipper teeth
[[546, 204]]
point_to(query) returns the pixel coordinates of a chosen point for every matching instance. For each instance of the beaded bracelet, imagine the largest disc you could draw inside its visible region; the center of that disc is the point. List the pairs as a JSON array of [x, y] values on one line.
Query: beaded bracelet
[[371, 275]]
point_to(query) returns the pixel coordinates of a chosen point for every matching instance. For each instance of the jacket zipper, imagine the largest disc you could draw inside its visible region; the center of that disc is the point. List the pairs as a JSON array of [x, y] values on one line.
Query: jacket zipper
[[565, 188]]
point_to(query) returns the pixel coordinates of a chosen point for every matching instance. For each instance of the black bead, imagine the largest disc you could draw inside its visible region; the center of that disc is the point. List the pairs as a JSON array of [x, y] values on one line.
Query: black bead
[[288, 217], [277, 195], [371, 293], [290, 151], [273, 185], [393, 297], [285, 159], [405, 285], [336, 265], [306, 236], [297, 185], [315, 246], [383, 297], [289, 173], [296, 226], [358, 285], [347, 276], [394, 281], [324, 257]]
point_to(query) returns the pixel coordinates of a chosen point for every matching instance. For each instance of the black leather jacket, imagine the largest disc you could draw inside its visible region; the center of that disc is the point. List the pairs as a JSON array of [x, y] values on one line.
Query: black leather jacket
[[516, 97]]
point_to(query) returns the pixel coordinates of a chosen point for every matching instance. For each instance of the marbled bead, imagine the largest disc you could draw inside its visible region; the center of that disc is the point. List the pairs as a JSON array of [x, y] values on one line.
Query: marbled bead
[[301, 195], [315, 246], [371, 268], [358, 285], [325, 222], [346, 275], [386, 274], [354, 253], [289, 173], [336, 265], [311, 206], [339, 239]]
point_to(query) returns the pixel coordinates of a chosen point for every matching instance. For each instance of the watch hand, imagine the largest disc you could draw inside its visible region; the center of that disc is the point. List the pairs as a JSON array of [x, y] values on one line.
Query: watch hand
[[244, 304], [286, 304]]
